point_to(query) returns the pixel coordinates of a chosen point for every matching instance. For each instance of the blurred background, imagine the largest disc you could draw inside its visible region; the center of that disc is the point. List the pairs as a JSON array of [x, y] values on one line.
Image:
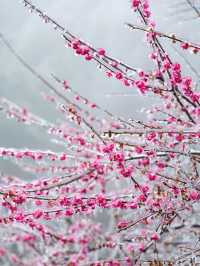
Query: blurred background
[[100, 23]]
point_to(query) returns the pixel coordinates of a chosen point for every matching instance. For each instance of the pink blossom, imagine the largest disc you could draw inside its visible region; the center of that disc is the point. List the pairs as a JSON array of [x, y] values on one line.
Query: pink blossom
[[38, 214], [101, 52]]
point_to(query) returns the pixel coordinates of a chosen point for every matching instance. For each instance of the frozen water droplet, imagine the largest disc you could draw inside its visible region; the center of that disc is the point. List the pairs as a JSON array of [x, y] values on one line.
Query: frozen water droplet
[[130, 73], [99, 66]]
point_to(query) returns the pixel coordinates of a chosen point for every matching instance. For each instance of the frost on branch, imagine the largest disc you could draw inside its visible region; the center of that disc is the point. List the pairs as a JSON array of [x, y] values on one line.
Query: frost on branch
[[121, 192]]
